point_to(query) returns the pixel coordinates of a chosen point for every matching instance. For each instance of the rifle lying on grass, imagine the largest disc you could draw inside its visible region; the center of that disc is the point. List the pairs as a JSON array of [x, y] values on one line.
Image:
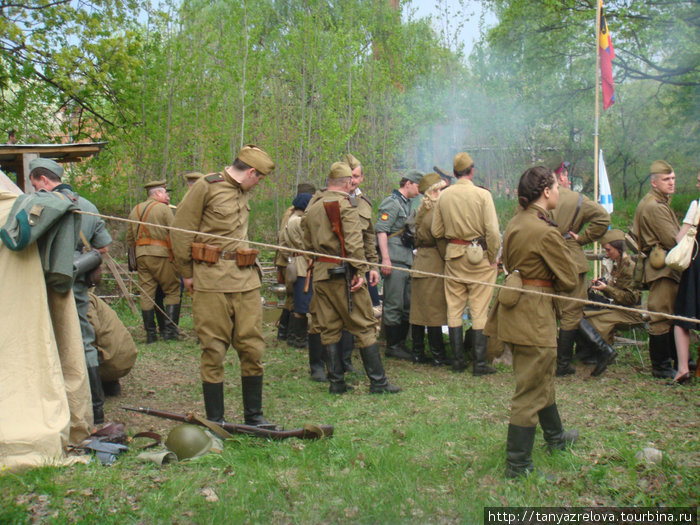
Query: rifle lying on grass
[[308, 432]]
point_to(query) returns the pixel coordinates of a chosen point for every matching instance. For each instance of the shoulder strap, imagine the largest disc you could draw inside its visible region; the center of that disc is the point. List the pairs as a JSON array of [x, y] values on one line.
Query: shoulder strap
[[142, 218]]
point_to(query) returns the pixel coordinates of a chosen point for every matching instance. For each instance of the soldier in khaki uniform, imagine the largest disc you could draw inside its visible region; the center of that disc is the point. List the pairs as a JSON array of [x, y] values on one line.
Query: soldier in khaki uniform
[[536, 251], [428, 304], [154, 260], [656, 227], [330, 298], [466, 216], [223, 277], [281, 261], [573, 211], [191, 177], [598, 326]]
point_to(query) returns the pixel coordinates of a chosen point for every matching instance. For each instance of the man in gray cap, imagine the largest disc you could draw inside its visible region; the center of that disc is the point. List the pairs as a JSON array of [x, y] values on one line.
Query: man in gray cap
[[395, 239], [45, 175], [154, 261]]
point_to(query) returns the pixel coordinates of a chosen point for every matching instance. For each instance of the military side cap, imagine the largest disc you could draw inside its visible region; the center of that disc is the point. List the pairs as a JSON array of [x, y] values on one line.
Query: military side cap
[[413, 176], [49, 164], [256, 158], [306, 187], [612, 235], [339, 170], [192, 176], [351, 161], [155, 184], [462, 162], [660, 166], [428, 180]]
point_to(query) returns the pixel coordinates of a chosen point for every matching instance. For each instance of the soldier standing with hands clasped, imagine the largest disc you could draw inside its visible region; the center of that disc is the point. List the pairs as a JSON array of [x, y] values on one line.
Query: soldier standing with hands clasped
[[224, 280]]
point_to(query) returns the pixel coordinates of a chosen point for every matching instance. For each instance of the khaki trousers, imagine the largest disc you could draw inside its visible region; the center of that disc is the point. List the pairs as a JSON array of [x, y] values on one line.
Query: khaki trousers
[[478, 296], [223, 319], [534, 383], [570, 313], [606, 321], [662, 296], [154, 271]]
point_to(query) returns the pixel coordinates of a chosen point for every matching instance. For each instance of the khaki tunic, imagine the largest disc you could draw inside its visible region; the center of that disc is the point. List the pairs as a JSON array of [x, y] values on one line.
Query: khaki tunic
[[282, 257], [369, 237], [466, 212], [226, 303], [535, 248], [655, 224], [329, 302], [114, 343], [598, 220], [153, 261], [428, 304], [622, 292]]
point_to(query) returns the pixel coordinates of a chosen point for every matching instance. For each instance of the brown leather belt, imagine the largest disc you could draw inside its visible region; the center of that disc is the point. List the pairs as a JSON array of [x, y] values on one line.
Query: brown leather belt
[[542, 283], [459, 241], [228, 256], [331, 260]]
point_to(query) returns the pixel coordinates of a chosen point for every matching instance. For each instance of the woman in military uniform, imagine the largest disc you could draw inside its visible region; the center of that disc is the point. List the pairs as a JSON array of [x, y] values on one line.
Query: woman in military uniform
[[597, 328], [428, 305], [534, 251]]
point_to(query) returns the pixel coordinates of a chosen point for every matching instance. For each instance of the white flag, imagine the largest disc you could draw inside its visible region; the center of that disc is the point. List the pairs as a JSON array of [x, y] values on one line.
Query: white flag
[[604, 193]]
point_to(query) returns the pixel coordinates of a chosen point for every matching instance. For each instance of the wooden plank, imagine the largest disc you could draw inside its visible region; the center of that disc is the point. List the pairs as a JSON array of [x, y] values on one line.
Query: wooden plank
[[107, 258]]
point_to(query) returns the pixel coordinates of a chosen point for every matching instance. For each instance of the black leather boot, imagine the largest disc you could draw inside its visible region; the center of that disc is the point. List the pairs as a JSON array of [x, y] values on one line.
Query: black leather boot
[[162, 324], [98, 395], [519, 451], [457, 344], [318, 372], [251, 387], [214, 401], [149, 323], [395, 346], [378, 383], [554, 434], [111, 388], [591, 338], [659, 356], [481, 366], [298, 331], [159, 311], [584, 353], [437, 346], [565, 352], [468, 344], [172, 333], [335, 371], [418, 338], [283, 325], [347, 345]]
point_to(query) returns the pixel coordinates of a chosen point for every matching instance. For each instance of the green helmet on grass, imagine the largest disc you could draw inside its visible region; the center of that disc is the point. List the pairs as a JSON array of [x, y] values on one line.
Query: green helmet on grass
[[188, 441]]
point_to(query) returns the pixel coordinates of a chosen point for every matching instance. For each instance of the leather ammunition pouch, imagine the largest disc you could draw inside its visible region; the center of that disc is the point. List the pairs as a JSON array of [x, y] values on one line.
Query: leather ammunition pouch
[[246, 257], [207, 253]]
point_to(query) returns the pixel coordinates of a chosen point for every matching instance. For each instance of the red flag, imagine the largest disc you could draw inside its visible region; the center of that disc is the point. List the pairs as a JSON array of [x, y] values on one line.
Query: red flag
[[607, 54]]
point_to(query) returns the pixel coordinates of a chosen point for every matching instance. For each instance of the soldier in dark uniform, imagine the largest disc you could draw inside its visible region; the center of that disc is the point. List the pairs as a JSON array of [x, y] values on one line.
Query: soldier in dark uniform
[[224, 280], [331, 297], [573, 211], [656, 227], [154, 260], [45, 174], [396, 249], [534, 249]]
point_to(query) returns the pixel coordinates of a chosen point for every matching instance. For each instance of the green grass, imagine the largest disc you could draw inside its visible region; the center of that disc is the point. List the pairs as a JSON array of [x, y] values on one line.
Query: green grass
[[433, 453]]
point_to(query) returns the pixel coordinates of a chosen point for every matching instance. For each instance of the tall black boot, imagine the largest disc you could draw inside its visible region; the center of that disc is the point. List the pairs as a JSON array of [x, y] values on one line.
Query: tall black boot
[[554, 434], [298, 331], [251, 387], [283, 326], [418, 338], [395, 344], [481, 366], [591, 338], [347, 344], [318, 372], [565, 352], [457, 344], [378, 383], [172, 311], [659, 355], [162, 324], [468, 344], [98, 395], [584, 353], [149, 323], [111, 388], [159, 309], [519, 451], [437, 346], [335, 371], [214, 401]]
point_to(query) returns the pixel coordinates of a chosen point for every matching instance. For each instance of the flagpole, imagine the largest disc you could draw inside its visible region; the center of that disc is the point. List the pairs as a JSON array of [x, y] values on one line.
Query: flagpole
[[596, 266]]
